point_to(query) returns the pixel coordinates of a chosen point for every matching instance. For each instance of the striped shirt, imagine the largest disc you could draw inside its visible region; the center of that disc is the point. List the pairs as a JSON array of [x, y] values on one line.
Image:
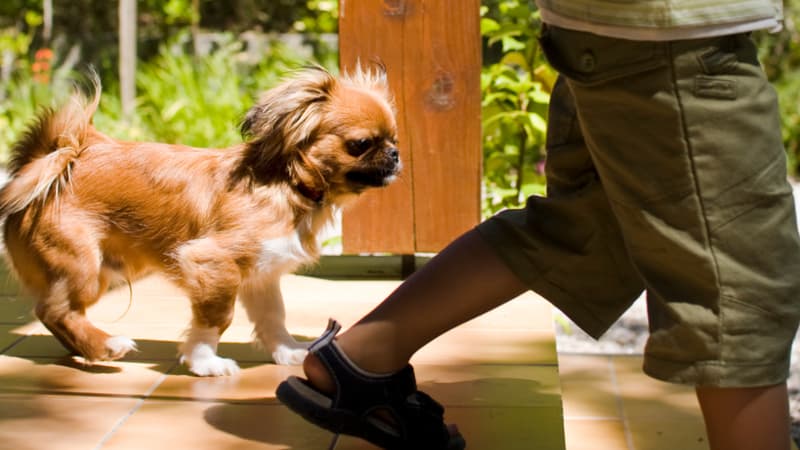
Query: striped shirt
[[663, 19]]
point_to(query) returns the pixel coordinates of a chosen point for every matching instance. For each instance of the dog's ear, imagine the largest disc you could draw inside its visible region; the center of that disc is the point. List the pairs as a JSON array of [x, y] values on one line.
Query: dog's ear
[[284, 122]]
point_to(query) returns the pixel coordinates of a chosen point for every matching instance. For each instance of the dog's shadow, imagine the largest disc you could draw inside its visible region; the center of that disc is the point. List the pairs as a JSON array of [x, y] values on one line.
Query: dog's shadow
[[161, 354]]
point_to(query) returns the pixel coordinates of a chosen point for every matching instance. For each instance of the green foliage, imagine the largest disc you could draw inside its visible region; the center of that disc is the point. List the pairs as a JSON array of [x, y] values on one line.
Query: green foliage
[[199, 100], [196, 101], [789, 94], [18, 110], [515, 85], [182, 97], [780, 54], [30, 78]]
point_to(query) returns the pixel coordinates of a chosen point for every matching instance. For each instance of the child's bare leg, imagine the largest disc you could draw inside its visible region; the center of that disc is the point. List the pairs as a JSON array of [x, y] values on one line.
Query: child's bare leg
[[746, 418], [464, 281]]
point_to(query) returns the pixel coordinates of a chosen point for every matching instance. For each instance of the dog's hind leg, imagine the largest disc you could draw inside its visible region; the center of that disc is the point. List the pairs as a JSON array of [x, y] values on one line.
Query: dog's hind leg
[[63, 311], [211, 281], [63, 271], [263, 301]]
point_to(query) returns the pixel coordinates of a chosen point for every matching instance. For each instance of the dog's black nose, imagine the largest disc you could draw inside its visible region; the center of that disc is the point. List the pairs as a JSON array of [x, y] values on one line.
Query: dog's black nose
[[394, 154]]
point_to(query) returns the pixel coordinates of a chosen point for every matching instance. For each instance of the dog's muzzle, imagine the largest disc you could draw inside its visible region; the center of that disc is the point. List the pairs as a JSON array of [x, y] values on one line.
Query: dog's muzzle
[[381, 170]]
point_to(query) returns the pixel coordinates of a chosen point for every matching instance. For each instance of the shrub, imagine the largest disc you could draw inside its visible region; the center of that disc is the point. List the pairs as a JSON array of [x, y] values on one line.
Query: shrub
[[515, 85], [195, 100]]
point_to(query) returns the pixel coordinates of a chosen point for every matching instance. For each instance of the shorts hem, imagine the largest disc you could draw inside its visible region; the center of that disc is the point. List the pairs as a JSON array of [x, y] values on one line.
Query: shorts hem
[[716, 373], [535, 279]]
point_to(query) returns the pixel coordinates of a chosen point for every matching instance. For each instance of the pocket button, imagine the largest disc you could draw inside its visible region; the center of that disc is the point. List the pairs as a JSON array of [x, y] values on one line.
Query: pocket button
[[588, 61]]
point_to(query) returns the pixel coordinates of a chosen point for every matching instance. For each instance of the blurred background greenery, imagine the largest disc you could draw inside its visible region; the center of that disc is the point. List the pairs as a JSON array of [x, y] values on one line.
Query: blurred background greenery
[[202, 62]]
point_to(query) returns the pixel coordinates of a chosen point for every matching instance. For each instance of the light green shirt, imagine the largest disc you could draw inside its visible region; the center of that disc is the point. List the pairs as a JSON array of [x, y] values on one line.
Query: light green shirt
[[663, 19]]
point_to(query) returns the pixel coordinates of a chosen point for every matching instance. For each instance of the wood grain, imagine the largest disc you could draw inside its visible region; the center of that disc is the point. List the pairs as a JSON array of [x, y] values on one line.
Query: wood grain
[[431, 49]]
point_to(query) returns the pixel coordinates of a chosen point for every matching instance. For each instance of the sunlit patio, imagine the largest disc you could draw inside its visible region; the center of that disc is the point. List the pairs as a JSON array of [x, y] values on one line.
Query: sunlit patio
[[498, 376]]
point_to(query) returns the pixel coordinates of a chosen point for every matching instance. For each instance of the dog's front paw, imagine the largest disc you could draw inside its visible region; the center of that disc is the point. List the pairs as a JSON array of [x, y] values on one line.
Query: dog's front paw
[[212, 366], [118, 346], [287, 355]]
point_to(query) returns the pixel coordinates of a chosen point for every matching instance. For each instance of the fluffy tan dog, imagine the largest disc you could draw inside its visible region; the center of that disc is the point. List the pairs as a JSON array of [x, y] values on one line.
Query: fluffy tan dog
[[82, 209]]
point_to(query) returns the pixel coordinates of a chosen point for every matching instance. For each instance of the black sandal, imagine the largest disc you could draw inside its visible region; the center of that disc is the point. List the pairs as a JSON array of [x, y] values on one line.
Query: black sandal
[[387, 411]]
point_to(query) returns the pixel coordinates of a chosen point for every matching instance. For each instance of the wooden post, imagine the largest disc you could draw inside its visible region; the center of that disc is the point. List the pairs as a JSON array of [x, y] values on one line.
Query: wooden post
[[127, 55], [47, 21], [432, 50]]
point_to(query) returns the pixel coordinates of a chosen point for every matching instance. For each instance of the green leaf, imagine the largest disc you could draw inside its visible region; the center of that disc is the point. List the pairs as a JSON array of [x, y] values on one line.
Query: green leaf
[[537, 122], [488, 26], [515, 59], [511, 44]]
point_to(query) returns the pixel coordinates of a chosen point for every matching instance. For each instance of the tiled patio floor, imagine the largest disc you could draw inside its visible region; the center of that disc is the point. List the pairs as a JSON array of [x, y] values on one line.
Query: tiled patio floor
[[498, 377]]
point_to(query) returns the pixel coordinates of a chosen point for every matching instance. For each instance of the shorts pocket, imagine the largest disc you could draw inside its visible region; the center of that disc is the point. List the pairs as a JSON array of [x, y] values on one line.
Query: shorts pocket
[[720, 65], [591, 59]]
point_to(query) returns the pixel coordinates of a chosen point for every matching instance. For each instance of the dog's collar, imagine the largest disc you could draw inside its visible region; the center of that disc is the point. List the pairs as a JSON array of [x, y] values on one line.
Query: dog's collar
[[311, 194]]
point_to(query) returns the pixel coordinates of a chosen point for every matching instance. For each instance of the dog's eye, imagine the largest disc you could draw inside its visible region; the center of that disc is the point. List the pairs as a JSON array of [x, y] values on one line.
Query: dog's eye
[[358, 147]]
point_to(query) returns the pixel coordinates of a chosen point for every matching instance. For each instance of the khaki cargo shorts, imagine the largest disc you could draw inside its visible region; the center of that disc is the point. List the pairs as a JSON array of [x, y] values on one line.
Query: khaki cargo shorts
[[666, 173]]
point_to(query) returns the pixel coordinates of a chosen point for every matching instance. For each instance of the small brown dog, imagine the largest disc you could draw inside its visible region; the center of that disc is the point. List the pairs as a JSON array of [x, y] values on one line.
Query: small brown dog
[[83, 209]]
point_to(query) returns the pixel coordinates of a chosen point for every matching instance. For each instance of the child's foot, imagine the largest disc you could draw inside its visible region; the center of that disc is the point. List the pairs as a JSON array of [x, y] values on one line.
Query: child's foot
[[385, 409]]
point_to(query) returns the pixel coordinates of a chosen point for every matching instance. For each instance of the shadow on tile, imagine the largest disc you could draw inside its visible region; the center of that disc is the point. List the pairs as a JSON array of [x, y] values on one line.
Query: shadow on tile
[[283, 428], [536, 413], [35, 347]]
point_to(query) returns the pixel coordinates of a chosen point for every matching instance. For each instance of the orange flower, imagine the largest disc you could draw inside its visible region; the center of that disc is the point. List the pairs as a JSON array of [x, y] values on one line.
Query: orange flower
[[43, 54]]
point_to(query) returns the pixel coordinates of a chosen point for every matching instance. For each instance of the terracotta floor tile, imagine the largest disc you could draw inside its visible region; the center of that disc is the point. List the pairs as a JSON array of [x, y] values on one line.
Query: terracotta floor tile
[[16, 310], [150, 310], [154, 343], [310, 301], [451, 385], [173, 425], [111, 379], [59, 422], [588, 387], [39, 345], [528, 312], [586, 434], [163, 342], [254, 384], [582, 366], [647, 398], [589, 400], [497, 375], [668, 433], [464, 346], [497, 428], [491, 385], [9, 336]]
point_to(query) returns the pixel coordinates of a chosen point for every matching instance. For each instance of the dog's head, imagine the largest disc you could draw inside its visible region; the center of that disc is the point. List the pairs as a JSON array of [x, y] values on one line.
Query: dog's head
[[328, 137]]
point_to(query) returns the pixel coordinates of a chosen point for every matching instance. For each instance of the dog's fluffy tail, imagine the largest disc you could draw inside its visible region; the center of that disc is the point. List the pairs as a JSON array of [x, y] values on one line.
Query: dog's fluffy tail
[[42, 158]]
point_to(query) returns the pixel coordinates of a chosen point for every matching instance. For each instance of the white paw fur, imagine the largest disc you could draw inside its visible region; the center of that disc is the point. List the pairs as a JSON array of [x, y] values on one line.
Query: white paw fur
[[119, 346], [290, 355], [212, 366], [199, 353]]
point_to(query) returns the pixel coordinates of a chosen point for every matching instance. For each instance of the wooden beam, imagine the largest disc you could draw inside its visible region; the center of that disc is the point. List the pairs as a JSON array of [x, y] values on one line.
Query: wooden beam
[[432, 50], [127, 56]]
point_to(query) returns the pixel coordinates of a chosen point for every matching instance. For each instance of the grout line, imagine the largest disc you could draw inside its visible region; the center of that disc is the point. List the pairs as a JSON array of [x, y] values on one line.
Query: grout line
[[135, 408], [13, 344], [612, 368]]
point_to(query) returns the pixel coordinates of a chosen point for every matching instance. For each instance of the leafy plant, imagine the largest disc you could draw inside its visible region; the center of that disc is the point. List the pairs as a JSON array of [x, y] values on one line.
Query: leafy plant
[[29, 77], [780, 56], [195, 100], [515, 92]]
